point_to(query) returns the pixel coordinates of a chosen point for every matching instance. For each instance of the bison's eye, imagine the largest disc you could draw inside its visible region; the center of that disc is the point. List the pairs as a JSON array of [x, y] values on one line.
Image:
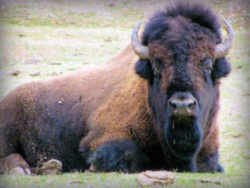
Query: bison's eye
[[207, 65]]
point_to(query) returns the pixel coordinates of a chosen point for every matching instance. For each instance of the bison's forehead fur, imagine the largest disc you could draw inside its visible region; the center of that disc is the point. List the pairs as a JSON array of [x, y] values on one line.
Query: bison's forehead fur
[[180, 38], [183, 64], [165, 25]]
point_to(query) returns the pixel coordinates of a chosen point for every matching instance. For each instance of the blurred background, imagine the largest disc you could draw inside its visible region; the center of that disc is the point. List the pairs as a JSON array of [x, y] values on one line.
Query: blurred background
[[43, 38]]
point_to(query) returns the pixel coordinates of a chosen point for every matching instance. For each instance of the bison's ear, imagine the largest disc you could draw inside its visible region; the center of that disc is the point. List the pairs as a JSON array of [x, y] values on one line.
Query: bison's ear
[[143, 69], [221, 68]]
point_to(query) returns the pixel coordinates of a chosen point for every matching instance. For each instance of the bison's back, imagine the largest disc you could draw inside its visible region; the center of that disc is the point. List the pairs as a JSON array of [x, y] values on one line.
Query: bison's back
[[47, 119]]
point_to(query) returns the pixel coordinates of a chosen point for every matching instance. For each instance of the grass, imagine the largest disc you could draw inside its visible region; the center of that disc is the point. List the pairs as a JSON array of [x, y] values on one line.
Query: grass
[[108, 180], [42, 39]]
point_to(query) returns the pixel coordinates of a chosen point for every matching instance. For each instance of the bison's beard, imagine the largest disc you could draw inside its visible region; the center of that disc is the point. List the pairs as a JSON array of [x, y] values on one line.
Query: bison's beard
[[183, 136]]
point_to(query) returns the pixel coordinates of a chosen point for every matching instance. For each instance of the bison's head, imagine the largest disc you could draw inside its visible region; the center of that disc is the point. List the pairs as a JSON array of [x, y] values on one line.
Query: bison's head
[[182, 56]]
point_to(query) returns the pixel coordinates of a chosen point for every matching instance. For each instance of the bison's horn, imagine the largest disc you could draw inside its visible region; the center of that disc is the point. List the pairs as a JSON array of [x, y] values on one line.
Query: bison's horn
[[223, 48], [139, 49]]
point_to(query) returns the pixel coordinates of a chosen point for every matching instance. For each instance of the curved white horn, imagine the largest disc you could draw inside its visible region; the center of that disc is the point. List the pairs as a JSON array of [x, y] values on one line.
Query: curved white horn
[[223, 48], [141, 50]]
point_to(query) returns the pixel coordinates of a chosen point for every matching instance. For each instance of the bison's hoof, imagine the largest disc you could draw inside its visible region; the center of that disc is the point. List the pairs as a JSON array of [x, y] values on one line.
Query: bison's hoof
[[19, 171], [52, 166], [123, 156], [220, 168]]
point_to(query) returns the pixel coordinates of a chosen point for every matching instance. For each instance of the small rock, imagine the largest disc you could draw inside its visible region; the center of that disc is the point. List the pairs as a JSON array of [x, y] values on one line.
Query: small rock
[[21, 35], [76, 182], [53, 74], [51, 15], [210, 181], [246, 94], [144, 181], [159, 174], [35, 74], [108, 39], [55, 63], [17, 171], [237, 135], [155, 177], [239, 67], [52, 166], [112, 4], [32, 61], [15, 73]]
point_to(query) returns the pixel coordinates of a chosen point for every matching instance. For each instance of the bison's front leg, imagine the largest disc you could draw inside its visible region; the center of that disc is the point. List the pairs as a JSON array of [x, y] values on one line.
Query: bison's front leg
[[209, 163], [118, 155], [208, 157]]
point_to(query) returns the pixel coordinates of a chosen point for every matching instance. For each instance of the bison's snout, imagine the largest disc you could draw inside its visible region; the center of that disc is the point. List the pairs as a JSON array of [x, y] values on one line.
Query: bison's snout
[[182, 104]]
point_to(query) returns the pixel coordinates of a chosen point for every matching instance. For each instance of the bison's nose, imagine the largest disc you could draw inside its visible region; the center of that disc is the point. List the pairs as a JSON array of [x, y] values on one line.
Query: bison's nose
[[182, 103]]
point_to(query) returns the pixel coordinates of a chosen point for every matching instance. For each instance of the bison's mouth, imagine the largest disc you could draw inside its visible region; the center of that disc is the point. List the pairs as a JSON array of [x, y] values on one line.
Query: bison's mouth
[[182, 128], [183, 135]]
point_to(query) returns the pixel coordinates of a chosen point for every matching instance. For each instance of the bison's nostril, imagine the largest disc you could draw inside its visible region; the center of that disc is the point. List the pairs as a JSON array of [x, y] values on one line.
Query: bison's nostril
[[182, 104]]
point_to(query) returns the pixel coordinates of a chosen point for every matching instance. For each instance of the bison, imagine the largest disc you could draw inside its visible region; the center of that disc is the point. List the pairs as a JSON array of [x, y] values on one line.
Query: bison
[[153, 106]]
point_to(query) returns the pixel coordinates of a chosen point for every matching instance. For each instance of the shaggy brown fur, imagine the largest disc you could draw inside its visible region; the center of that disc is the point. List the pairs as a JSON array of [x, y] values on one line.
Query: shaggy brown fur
[[90, 97], [109, 116], [101, 91]]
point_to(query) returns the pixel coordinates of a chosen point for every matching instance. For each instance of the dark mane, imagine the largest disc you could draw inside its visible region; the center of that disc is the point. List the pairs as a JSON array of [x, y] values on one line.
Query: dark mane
[[195, 13]]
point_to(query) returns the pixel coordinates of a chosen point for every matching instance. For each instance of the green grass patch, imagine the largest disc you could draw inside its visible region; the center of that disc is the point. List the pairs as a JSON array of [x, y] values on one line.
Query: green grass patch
[[108, 180]]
